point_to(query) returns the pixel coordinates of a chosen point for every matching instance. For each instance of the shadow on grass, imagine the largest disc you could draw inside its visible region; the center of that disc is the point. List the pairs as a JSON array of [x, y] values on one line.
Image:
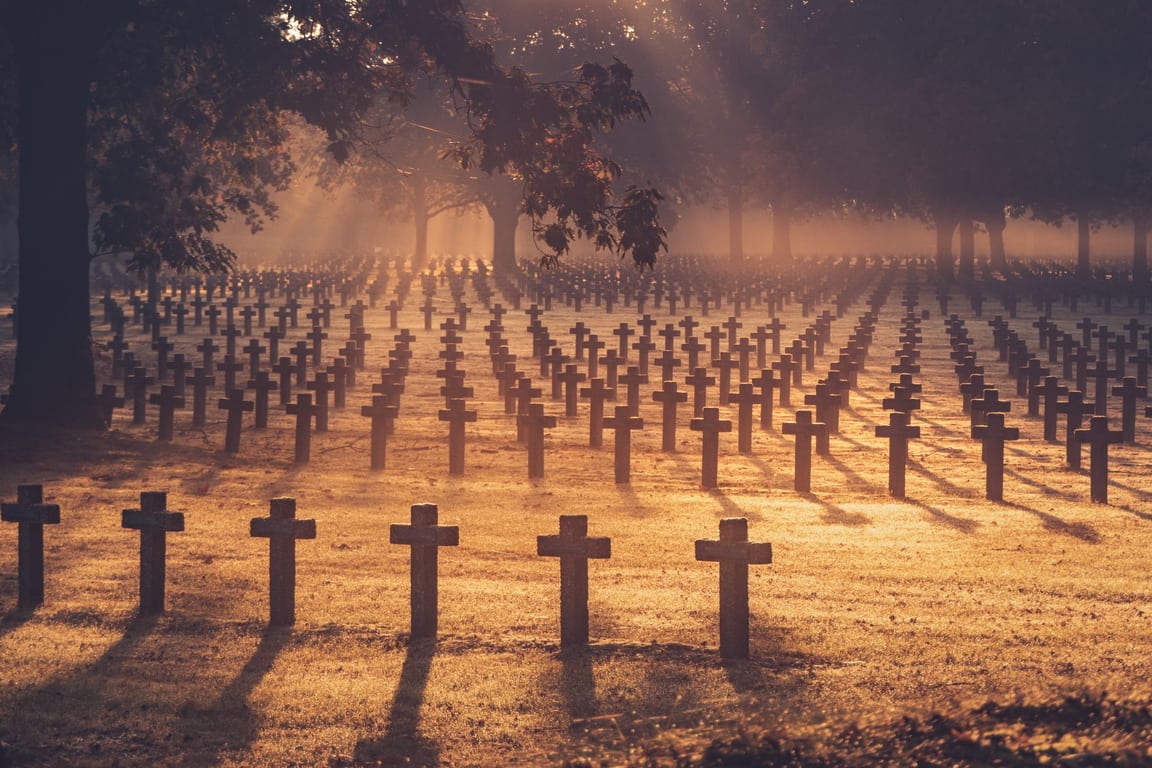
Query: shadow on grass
[[231, 722], [945, 485], [578, 684], [71, 692], [675, 690], [1141, 493], [1145, 516], [962, 524], [1046, 488], [834, 515], [856, 482], [400, 743], [13, 620], [1082, 531]]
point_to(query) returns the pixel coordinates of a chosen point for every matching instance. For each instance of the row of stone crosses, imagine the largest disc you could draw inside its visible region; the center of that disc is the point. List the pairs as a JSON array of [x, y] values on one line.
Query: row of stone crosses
[[572, 546], [772, 382], [385, 406]]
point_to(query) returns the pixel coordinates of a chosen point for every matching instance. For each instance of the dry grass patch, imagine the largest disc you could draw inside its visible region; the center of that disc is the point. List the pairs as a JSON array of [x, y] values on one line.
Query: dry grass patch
[[874, 610]]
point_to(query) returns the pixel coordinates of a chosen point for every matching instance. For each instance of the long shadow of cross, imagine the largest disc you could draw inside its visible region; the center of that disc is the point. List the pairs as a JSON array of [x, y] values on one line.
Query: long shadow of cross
[[401, 743], [231, 724]]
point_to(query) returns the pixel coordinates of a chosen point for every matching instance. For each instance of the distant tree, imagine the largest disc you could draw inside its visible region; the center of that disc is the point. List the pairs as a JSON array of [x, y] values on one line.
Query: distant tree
[[177, 107]]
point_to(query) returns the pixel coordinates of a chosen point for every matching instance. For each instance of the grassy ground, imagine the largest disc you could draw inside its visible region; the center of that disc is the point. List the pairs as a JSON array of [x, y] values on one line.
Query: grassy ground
[[881, 631]]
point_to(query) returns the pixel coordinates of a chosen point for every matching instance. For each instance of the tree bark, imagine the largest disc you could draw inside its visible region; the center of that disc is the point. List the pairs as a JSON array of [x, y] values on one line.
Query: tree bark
[[781, 233], [1083, 240], [997, 258], [966, 268], [420, 220], [945, 225], [54, 381], [1139, 249], [736, 222], [505, 220]]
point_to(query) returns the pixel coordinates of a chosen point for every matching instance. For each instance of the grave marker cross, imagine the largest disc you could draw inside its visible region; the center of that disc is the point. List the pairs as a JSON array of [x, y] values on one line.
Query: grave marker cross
[[623, 423], [1099, 437], [574, 547], [154, 522], [31, 514], [734, 553], [282, 529], [993, 435], [425, 536], [898, 433], [710, 425]]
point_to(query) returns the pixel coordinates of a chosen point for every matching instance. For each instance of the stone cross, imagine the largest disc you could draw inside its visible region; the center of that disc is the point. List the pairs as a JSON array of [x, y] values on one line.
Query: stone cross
[[1100, 373], [993, 436], [725, 364], [534, 423], [766, 382], [425, 536], [304, 410], [1075, 408], [667, 363], [700, 381], [669, 396], [596, 393], [988, 403], [746, 399], [1049, 394], [168, 402], [898, 433], [282, 529], [735, 553], [262, 385], [154, 521], [570, 378], [632, 381], [457, 416], [236, 406], [623, 423], [524, 392], [1099, 437], [827, 404], [804, 428], [322, 386], [200, 382], [693, 347], [381, 413], [785, 365], [710, 425], [137, 384], [31, 514], [574, 547], [1129, 391], [285, 370], [644, 346], [107, 401]]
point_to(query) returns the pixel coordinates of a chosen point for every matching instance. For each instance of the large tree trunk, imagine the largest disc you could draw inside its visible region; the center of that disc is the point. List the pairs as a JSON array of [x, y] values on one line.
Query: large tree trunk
[[1140, 249], [420, 220], [736, 222], [505, 220], [945, 225], [781, 233], [967, 265], [997, 258], [54, 381], [1083, 240]]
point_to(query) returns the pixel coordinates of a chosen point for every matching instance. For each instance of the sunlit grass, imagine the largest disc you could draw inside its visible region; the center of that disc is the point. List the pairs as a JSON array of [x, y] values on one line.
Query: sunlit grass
[[872, 608]]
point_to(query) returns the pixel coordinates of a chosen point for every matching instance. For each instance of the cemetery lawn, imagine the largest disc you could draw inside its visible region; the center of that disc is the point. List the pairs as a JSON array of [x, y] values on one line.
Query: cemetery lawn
[[944, 629]]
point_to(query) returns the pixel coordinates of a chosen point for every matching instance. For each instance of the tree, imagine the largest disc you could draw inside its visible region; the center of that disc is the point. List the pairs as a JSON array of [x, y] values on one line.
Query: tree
[[239, 66]]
